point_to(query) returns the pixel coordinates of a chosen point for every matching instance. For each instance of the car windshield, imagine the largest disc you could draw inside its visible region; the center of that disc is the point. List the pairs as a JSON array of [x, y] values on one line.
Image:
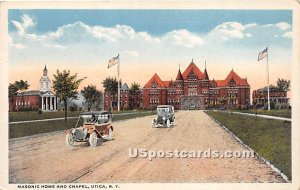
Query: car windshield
[[162, 111]]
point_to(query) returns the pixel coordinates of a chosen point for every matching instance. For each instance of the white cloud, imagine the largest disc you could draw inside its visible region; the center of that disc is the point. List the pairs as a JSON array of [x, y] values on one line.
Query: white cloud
[[27, 22], [183, 38], [250, 25], [229, 30], [288, 35], [19, 27], [78, 41], [283, 25]]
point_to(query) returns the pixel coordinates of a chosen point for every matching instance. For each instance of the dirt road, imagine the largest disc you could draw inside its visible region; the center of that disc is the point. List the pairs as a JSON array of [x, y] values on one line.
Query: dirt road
[[46, 158]]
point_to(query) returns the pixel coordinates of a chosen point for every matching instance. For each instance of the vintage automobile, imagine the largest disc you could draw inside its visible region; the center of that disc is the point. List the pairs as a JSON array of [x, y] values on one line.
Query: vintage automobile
[[165, 116], [91, 126]]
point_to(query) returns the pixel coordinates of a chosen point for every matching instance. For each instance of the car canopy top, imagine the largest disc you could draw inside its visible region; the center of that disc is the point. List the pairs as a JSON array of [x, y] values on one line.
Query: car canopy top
[[164, 106]]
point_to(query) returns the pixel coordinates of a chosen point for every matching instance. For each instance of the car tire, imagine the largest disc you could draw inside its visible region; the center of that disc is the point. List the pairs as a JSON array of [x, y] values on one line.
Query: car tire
[[153, 124], [110, 134], [69, 139], [93, 139], [168, 123]]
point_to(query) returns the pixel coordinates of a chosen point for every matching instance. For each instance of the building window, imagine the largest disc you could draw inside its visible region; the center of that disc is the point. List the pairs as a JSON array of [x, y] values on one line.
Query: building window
[[154, 85]]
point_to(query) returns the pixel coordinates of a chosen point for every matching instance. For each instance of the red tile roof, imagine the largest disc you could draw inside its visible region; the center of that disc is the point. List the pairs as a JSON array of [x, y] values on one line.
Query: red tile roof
[[179, 75], [205, 75], [155, 78], [195, 69], [232, 75], [166, 83]]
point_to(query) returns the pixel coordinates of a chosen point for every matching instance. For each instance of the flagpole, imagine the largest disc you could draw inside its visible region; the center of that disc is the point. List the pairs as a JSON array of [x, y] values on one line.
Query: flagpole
[[268, 81], [119, 86]]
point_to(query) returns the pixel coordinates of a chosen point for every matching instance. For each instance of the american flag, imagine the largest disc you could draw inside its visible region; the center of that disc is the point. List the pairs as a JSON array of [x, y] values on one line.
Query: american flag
[[262, 54], [113, 61]]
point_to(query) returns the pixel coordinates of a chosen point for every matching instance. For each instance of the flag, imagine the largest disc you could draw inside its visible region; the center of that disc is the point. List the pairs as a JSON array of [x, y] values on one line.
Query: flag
[[262, 54], [113, 61]]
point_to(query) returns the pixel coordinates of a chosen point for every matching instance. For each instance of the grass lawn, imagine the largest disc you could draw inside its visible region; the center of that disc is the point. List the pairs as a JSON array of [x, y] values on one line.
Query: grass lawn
[[33, 115], [278, 113], [269, 138], [26, 129]]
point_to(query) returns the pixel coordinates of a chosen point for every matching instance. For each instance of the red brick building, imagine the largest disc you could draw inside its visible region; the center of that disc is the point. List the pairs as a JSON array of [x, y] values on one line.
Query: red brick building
[[33, 100], [193, 89], [127, 100], [278, 97]]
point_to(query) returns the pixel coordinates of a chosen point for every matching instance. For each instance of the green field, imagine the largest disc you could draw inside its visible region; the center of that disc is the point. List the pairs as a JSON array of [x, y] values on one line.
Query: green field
[[278, 113], [26, 129], [269, 138], [33, 115]]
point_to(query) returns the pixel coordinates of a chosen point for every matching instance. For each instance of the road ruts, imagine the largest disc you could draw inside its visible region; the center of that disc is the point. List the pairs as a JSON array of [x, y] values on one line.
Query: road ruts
[[46, 158]]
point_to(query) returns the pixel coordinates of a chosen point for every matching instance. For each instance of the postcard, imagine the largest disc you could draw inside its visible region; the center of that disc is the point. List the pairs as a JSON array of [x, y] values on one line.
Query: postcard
[[115, 95]]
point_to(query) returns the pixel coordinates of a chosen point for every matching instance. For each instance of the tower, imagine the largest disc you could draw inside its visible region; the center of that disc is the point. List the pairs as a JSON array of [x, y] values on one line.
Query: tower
[[45, 81]]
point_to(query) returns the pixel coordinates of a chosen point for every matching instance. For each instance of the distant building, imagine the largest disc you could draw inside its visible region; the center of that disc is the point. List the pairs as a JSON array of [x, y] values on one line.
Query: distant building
[[127, 99], [42, 99], [278, 97], [193, 89]]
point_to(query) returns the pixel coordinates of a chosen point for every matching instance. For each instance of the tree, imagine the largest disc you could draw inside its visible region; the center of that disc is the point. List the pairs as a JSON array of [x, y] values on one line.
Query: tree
[[12, 91], [111, 85], [99, 102], [90, 94], [134, 91], [22, 86], [134, 88], [283, 84], [65, 87]]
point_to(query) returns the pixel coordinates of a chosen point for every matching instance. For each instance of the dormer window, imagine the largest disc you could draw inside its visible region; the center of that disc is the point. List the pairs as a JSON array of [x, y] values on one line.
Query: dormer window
[[232, 83], [154, 85]]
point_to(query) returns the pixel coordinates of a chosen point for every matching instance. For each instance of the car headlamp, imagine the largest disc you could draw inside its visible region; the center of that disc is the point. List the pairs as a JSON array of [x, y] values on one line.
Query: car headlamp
[[164, 118]]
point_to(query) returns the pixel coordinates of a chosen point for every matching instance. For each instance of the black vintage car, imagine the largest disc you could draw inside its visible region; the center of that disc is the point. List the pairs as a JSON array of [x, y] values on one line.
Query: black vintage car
[[165, 116]]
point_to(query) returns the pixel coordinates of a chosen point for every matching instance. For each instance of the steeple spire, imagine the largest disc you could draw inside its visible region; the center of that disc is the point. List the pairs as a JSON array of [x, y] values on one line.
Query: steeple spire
[[205, 73], [45, 72]]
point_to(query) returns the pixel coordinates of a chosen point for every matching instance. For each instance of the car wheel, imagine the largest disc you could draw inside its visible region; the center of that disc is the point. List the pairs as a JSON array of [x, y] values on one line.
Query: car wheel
[[168, 123], [93, 139], [69, 139], [110, 134], [153, 124]]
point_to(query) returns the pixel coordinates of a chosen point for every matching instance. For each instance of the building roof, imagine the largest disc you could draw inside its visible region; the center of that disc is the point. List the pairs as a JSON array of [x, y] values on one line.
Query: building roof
[[30, 93], [272, 88], [195, 69], [205, 75], [232, 76], [157, 80], [125, 87], [179, 75]]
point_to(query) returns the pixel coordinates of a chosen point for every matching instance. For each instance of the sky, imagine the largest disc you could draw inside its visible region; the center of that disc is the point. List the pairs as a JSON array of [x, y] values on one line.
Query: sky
[[149, 41]]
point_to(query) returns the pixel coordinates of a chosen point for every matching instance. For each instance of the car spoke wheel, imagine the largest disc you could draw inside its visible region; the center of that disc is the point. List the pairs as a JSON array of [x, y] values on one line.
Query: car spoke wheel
[[168, 123], [69, 139], [93, 139], [110, 134]]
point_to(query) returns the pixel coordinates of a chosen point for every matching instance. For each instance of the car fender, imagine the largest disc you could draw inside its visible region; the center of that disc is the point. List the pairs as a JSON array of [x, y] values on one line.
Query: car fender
[[68, 131]]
